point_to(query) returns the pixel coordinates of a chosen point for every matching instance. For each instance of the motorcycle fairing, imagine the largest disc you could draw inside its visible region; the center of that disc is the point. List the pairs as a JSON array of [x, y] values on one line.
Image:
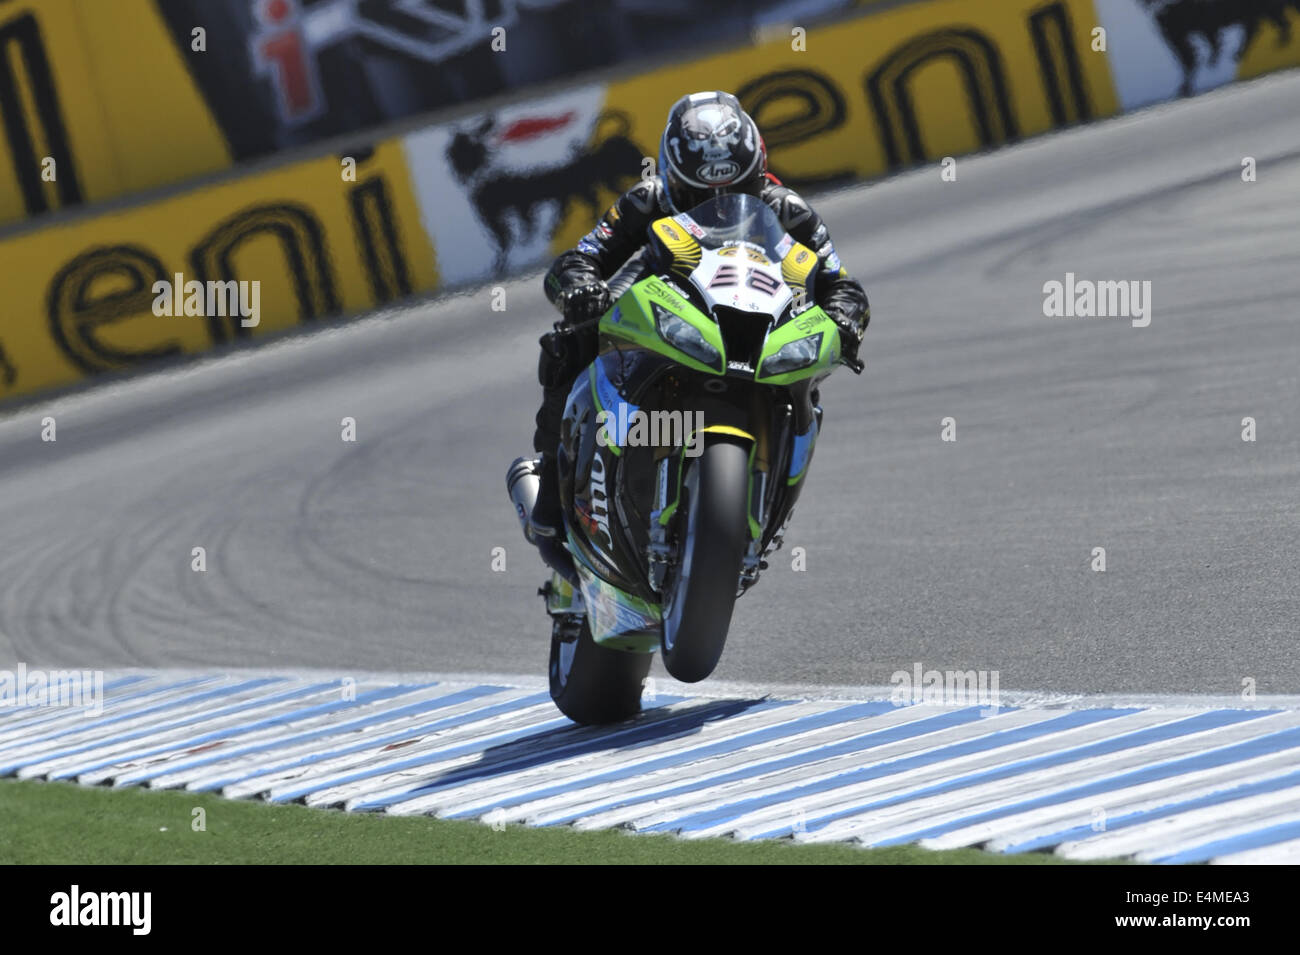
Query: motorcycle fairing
[[801, 454], [752, 265], [590, 482], [743, 278], [683, 250], [632, 321], [617, 619], [608, 399]]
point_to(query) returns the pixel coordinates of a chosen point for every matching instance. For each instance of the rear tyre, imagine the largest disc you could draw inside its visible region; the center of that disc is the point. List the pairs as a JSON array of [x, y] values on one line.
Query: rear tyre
[[592, 684], [701, 593]]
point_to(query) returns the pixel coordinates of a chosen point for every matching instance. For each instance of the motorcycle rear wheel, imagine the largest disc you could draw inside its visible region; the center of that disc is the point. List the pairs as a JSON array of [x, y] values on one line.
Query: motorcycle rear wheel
[[591, 684]]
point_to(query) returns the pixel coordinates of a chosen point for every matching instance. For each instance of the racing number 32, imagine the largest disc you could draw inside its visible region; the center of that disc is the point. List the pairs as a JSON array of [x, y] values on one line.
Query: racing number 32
[[728, 276]]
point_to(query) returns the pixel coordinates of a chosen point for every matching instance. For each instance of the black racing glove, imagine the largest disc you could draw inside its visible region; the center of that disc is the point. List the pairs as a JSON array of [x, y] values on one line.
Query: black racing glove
[[850, 339], [571, 346], [584, 303]]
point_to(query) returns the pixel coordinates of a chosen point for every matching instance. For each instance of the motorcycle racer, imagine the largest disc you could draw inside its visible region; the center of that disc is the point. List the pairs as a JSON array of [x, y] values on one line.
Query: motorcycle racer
[[710, 146]]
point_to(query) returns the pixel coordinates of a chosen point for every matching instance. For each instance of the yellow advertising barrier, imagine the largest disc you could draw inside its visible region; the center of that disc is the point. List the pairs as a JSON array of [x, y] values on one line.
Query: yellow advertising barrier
[[842, 103], [96, 103], [79, 298], [858, 99]]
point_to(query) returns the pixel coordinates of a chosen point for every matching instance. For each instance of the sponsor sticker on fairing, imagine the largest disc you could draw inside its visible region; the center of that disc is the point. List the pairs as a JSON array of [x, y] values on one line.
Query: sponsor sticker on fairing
[[833, 260], [690, 225], [784, 245]]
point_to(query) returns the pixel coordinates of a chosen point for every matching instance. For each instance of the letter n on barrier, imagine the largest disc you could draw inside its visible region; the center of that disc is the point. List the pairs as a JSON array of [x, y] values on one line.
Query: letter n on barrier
[[302, 240], [1058, 63], [977, 62]]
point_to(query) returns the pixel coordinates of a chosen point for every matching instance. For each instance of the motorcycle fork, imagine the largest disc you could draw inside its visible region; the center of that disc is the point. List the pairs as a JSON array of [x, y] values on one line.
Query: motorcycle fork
[[660, 553], [760, 471], [786, 494]]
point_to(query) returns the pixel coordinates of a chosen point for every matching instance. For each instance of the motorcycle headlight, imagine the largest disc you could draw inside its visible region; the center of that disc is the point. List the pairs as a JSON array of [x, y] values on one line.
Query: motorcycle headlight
[[684, 336], [791, 357]]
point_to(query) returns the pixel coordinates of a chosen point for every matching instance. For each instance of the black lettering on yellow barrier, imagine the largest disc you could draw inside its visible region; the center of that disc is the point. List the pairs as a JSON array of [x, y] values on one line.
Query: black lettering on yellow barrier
[[980, 66], [105, 285], [1058, 62], [8, 373], [372, 215], [102, 286], [302, 240], [21, 47], [820, 109]]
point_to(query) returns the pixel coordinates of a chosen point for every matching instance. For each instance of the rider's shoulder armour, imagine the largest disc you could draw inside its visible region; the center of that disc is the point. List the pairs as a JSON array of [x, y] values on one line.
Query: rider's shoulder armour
[[798, 218]]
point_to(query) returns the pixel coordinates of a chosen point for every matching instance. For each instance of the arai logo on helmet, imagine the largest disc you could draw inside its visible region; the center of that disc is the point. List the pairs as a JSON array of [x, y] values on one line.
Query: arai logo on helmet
[[719, 172]]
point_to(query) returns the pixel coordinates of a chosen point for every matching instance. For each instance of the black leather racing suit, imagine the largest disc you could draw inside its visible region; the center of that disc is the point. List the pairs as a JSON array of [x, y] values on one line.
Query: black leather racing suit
[[620, 234]]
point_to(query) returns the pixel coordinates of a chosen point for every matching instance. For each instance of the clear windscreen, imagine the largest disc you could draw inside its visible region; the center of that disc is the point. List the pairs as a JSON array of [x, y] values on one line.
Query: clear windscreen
[[732, 218]]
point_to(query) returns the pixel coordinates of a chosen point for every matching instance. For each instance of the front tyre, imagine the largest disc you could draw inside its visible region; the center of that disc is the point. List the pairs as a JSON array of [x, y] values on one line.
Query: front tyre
[[701, 593], [592, 684]]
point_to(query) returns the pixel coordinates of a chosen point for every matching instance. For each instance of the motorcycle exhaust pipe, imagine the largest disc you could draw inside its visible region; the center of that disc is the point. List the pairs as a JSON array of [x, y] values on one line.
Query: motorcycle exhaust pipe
[[522, 483]]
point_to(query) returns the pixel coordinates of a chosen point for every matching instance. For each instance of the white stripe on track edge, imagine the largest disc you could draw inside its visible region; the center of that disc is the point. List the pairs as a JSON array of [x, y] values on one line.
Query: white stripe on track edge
[[1194, 778], [920, 814], [1284, 853]]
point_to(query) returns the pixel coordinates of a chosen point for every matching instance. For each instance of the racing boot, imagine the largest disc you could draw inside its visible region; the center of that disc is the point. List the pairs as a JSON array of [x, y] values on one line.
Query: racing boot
[[546, 517]]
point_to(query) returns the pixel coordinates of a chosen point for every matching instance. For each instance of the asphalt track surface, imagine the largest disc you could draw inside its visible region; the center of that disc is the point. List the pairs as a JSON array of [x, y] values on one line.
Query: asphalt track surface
[[1071, 434]]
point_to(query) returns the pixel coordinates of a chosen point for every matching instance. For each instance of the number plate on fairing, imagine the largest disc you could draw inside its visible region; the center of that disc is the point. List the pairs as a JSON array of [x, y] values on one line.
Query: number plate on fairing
[[741, 276]]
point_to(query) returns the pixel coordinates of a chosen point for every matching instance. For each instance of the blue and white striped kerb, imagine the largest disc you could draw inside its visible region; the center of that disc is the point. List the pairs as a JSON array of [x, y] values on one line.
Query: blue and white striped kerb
[[1156, 783]]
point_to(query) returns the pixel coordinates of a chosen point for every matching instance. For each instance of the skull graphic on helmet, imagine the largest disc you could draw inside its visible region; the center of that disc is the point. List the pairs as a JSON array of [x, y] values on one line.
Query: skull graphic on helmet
[[713, 129]]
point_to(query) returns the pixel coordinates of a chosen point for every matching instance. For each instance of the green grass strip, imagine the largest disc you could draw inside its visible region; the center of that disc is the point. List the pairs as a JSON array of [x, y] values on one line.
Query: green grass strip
[[62, 823]]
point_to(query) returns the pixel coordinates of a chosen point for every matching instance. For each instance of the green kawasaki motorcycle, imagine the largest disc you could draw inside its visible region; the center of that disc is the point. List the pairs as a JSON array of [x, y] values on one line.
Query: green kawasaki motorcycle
[[683, 450]]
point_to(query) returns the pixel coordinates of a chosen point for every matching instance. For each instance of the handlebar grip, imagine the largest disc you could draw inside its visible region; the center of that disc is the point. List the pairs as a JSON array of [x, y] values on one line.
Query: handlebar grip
[[564, 328]]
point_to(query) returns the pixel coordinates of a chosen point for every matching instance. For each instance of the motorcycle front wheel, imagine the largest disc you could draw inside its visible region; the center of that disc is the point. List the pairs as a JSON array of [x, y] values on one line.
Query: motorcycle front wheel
[[701, 592]]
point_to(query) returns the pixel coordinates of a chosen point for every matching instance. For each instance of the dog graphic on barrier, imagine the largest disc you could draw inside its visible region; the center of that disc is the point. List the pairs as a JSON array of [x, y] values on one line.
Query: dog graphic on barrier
[[500, 196], [1181, 20]]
